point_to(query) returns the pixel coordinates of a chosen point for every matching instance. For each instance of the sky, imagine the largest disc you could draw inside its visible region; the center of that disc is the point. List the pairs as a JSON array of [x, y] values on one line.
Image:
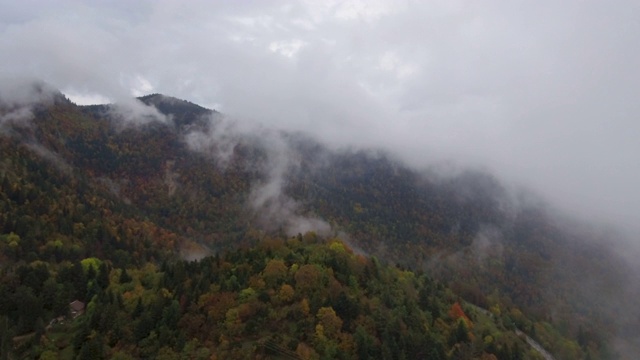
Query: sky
[[542, 93]]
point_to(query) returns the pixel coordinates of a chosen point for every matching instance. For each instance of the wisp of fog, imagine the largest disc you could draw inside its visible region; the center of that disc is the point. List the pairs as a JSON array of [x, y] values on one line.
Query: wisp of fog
[[541, 93]]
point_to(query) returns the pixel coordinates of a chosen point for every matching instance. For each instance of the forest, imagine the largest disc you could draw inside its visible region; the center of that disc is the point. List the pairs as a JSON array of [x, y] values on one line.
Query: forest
[[302, 297], [163, 254]]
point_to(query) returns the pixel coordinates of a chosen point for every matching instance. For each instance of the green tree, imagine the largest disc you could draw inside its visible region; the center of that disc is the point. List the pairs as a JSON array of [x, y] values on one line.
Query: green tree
[[124, 277], [460, 334], [102, 278], [5, 338], [365, 344]]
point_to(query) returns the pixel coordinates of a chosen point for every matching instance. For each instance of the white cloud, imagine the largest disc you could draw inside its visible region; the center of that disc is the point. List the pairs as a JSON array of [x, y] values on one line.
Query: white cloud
[[132, 112], [82, 98], [140, 86], [391, 62], [542, 93], [287, 48]]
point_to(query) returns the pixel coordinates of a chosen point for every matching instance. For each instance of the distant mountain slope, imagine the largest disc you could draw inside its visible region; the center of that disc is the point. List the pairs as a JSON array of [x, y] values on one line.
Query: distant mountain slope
[[187, 176], [182, 113], [467, 231]]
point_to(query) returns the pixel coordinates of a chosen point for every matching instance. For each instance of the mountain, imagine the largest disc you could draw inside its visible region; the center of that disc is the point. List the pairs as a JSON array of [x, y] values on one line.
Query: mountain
[[89, 194]]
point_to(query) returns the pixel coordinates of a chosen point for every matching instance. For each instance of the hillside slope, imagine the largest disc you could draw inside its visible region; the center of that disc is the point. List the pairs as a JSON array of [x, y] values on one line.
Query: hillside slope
[[137, 183]]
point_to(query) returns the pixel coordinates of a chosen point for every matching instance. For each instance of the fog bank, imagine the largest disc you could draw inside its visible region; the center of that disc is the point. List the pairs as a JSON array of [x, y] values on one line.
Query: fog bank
[[543, 94]]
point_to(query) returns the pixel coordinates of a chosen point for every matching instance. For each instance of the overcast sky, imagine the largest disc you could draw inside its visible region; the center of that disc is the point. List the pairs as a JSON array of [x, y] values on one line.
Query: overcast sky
[[545, 93]]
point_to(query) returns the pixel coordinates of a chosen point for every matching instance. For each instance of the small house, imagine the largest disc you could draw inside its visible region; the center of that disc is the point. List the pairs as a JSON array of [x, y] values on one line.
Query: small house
[[76, 308]]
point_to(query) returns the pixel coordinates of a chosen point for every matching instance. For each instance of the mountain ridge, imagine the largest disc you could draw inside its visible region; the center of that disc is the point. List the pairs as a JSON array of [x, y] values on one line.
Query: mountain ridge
[[222, 192]]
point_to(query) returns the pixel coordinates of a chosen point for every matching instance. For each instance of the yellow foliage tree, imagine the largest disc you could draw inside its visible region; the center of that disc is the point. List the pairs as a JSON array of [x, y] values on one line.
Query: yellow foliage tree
[[286, 293], [330, 322], [274, 271]]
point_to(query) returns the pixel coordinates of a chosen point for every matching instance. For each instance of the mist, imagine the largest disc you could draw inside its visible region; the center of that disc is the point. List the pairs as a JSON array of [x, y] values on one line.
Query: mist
[[541, 94], [18, 96], [132, 112], [274, 209]]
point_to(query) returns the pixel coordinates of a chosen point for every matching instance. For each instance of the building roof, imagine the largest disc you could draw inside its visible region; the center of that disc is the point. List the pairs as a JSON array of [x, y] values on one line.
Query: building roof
[[77, 306]]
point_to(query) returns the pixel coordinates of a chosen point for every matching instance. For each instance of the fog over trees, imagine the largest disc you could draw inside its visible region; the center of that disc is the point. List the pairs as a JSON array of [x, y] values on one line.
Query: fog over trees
[[544, 94], [491, 145]]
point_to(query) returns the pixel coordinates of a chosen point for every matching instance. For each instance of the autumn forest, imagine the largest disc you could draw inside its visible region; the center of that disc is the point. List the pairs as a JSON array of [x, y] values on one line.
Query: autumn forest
[[163, 233]]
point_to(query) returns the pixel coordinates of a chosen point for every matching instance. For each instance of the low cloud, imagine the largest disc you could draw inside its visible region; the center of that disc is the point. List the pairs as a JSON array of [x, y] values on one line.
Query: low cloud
[[274, 209], [16, 117], [133, 112], [219, 139], [268, 198], [20, 92], [18, 97], [51, 157], [543, 96], [488, 243]]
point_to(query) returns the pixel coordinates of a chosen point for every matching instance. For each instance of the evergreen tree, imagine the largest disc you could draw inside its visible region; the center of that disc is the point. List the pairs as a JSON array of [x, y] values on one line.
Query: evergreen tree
[[124, 277]]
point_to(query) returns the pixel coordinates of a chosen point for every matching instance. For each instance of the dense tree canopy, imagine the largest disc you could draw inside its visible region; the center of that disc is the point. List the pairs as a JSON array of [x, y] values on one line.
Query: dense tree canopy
[[104, 214]]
